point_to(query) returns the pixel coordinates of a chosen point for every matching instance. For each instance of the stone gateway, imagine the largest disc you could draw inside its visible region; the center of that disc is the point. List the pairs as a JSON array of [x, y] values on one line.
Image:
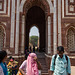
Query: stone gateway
[[55, 20]]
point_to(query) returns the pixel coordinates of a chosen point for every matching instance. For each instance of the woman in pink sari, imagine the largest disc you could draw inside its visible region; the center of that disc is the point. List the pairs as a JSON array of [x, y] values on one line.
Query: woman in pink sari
[[31, 65], [32, 68]]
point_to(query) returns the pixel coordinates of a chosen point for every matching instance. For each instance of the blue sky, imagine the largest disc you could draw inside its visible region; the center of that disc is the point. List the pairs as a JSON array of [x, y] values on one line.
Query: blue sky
[[34, 31]]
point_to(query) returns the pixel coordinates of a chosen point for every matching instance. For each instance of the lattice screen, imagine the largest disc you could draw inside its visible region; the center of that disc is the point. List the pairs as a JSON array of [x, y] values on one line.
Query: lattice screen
[[1, 38], [71, 40]]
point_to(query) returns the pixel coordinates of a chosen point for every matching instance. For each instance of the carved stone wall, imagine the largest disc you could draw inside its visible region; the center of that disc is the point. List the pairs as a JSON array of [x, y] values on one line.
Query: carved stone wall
[[62, 16], [1, 37], [71, 40]]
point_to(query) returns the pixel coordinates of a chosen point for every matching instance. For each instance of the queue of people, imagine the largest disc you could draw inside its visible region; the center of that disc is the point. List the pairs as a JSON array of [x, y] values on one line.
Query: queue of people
[[60, 64]]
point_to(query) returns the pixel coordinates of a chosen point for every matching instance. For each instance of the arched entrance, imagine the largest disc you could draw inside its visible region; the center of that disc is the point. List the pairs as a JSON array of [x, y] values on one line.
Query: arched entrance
[[36, 12], [34, 37], [36, 15]]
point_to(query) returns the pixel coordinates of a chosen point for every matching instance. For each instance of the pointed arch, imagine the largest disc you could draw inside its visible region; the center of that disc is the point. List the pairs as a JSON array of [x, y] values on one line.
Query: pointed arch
[[2, 35], [26, 4], [71, 39], [32, 33], [36, 26]]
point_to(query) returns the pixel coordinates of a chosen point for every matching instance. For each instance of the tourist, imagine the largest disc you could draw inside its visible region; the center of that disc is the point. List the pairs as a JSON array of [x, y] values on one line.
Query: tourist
[[60, 64], [12, 67], [26, 53], [33, 48], [10, 61], [3, 67], [30, 50], [30, 66]]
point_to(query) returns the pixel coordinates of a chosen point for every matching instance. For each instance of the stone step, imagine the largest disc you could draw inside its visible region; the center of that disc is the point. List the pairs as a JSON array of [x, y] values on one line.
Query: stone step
[[41, 59]]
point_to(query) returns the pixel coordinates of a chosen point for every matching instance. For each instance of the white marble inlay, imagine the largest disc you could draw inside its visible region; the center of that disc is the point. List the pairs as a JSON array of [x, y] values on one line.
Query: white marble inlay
[[48, 1], [62, 8], [23, 36], [12, 24], [4, 11], [4, 7], [0, 5], [4, 23], [50, 5], [55, 29], [17, 28], [66, 4], [59, 23], [49, 34], [71, 8], [71, 0], [67, 9], [8, 8], [67, 24], [21, 5]]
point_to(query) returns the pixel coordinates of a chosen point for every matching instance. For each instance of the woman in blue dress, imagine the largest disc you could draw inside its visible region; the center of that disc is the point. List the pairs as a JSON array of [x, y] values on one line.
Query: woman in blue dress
[[3, 67]]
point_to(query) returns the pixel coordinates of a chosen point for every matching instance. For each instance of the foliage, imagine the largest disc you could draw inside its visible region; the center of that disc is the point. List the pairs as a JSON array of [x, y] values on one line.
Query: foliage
[[33, 40]]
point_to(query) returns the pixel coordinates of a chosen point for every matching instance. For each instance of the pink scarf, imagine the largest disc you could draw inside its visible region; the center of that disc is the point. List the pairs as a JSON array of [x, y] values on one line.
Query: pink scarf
[[32, 68]]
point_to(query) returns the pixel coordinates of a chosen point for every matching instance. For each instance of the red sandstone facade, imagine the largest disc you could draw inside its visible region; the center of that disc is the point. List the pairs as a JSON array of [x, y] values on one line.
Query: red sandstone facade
[[55, 20]]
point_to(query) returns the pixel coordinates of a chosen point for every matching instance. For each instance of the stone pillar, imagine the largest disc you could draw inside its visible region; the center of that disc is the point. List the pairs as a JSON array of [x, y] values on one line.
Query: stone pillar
[[49, 34], [55, 28], [17, 29], [12, 24], [23, 34], [59, 24]]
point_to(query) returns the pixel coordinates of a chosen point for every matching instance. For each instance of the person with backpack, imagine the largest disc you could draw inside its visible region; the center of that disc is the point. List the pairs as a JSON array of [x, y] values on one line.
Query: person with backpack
[[60, 63]]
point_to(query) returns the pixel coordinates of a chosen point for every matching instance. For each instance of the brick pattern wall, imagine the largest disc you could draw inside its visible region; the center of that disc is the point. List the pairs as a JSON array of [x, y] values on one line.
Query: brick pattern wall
[[11, 15]]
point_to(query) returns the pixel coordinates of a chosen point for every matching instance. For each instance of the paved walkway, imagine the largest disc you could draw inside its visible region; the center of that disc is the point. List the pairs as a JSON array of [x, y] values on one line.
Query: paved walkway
[[72, 70]]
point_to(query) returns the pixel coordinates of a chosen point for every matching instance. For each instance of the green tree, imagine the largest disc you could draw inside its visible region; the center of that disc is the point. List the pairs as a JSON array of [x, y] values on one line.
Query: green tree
[[33, 40]]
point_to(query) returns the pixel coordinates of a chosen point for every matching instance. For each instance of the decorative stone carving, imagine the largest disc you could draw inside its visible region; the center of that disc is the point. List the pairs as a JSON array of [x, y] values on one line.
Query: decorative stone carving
[[71, 40], [65, 11], [8, 51], [49, 34], [71, 0], [1, 37], [4, 23], [71, 8], [0, 5], [67, 24], [29, 3]]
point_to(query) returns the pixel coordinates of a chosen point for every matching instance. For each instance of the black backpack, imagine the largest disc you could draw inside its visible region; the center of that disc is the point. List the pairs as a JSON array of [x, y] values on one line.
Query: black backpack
[[56, 57]]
